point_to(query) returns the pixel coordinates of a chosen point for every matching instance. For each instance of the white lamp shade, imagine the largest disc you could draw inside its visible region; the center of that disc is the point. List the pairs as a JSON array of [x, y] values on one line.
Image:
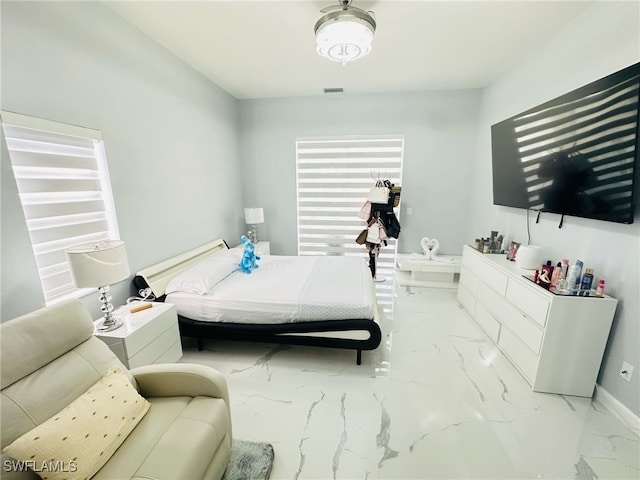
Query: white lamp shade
[[253, 215], [344, 40], [344, 33], [98, 264]]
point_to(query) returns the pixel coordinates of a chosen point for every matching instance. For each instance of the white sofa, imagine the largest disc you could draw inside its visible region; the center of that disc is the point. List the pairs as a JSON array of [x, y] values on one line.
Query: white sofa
[[50, 357]]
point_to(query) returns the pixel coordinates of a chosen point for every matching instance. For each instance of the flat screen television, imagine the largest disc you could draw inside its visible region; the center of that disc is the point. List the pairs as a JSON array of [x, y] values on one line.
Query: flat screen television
[[574, 155]]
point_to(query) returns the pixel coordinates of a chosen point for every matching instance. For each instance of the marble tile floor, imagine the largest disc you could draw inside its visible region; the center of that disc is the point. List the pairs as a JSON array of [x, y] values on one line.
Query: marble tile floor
[[436, 400]]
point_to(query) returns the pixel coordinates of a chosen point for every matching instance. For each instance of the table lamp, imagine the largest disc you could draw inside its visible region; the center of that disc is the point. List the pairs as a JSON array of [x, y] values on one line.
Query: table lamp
[[98, 265], [253, 216]]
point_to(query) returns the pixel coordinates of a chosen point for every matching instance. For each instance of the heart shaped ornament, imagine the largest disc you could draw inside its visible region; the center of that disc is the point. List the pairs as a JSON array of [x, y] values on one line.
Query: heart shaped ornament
[[430, 247]]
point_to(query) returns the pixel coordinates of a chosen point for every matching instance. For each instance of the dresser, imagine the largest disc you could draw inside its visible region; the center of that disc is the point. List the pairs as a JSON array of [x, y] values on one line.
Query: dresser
[[555, 341], [146, 337]]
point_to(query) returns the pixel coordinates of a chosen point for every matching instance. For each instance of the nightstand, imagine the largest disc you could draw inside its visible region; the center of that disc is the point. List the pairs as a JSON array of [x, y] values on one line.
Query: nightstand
[[263, 248], [146, 337]]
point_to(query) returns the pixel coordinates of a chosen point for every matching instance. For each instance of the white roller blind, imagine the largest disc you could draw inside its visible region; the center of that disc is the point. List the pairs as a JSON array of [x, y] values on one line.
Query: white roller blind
[[334, 175], [64, 188]]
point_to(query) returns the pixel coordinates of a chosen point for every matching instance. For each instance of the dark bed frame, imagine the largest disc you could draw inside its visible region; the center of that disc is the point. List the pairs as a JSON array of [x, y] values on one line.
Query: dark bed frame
[[301, 333], [288, 334]]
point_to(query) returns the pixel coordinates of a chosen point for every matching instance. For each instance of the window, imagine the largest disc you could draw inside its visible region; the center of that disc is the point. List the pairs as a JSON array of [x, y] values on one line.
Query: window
[[63, 183], [334, 175]]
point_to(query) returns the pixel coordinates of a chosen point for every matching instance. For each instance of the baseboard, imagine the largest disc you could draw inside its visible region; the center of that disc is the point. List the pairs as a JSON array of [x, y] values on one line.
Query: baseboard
[[625, 415]]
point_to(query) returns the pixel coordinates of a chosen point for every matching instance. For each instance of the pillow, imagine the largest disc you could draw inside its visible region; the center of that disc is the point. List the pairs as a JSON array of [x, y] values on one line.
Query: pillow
[[201, 278], [81, 438], [233, 254]]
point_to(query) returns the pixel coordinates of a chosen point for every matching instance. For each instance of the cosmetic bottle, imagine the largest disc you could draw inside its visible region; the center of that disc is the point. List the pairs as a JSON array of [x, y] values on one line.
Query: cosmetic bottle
[[562, 283], [600, 289], [587, 281], [565, 267], [548, 268], [576, 283], [555, 278], [543, 280], [572, 278]]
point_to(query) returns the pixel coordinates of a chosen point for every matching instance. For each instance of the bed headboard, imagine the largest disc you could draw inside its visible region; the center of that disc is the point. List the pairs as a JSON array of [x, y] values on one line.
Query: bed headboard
[[159, 275]]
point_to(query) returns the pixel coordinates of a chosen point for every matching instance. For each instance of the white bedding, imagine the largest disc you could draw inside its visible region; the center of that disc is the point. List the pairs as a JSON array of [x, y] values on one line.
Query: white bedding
[[286, 289]]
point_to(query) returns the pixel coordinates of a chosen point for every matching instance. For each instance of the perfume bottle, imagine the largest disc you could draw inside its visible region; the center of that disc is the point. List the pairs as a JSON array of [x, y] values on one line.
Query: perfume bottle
[[562, 286], [548, 268], [555, 278], [587, 281]]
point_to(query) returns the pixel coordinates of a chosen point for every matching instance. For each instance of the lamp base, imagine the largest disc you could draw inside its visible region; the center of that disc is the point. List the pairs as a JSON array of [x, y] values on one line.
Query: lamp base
[[252, 234], [110, 322], [107, 326]]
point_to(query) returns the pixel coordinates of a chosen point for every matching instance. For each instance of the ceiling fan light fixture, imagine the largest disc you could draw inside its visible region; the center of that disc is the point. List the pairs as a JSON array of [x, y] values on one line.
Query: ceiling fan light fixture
[[345, 35]]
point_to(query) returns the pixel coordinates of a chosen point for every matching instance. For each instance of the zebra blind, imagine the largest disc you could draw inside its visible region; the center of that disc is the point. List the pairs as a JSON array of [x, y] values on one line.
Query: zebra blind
[[334, 175], [63, 184]]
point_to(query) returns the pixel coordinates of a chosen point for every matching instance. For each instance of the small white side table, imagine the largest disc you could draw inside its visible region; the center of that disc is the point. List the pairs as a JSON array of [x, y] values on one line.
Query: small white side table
[[263, 248], [416, 271], [146, 337]]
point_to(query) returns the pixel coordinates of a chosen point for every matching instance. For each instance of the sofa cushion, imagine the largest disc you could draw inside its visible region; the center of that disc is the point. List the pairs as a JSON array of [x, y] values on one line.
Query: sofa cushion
[[83, 436], [178, 438], [39, 337], [35, 398]]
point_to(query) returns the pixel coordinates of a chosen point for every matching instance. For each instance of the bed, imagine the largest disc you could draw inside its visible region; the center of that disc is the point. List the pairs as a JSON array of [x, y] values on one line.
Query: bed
[[322, 301]]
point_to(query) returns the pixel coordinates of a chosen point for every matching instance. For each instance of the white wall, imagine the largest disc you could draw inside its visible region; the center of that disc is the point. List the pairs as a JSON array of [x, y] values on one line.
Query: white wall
[[604, 39], [171, 136], [439, 129]]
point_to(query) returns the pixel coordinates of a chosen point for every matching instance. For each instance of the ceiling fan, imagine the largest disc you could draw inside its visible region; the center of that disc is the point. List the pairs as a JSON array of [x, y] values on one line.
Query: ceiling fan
[[344, 33]]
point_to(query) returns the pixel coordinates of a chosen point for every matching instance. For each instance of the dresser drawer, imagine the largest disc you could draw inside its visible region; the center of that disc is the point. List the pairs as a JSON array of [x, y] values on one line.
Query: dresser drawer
[[487, 273], [156, 349], [520, 356], [495, 278], [469, 280], [467, 299], [489, 297], [473, 261], [144, 331], [534, 304], [487, 322], [524, 328], [172, 355]]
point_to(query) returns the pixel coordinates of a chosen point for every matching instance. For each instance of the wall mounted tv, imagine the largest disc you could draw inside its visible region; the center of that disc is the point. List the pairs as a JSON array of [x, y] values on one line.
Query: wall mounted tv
[[574, 155]]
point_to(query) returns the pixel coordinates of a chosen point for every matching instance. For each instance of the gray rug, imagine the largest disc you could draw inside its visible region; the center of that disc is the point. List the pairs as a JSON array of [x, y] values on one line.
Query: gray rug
[[249, 461]]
